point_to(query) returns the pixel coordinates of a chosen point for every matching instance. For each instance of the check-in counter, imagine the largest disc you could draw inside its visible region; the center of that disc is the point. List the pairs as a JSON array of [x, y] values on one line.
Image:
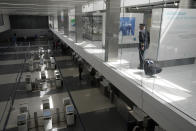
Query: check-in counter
[[47, 117], [70, 115]]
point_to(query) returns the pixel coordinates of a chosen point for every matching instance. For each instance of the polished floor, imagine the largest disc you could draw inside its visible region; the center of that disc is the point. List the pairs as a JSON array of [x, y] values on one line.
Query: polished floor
[[96, 111]]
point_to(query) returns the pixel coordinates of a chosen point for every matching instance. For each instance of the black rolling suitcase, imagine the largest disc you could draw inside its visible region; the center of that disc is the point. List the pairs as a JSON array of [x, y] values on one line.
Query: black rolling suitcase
[[150, 68]]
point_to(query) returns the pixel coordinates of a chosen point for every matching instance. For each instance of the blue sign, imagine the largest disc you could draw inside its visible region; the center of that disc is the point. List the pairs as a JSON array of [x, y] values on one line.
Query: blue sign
[[127, 26]]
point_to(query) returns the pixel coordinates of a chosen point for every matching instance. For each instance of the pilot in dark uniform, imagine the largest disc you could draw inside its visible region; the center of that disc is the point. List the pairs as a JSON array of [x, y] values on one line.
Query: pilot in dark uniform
[[144, 41]]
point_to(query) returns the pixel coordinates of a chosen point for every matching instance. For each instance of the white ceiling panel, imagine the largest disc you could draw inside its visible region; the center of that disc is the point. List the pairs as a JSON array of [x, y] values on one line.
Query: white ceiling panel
[[34, 7]]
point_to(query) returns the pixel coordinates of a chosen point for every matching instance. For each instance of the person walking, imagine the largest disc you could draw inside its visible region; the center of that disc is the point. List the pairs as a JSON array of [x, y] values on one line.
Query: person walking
[[80, 69]]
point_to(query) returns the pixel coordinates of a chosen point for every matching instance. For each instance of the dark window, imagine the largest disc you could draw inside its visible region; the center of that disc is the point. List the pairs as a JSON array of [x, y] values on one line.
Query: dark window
[[28, 22]]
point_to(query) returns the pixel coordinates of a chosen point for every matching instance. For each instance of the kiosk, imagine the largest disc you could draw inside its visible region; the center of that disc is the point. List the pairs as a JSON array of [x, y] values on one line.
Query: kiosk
[[52, 60], [46, 104], [43, 76], [22, 121], [58, 80], [69, 111], [69, 115], [47, 116]]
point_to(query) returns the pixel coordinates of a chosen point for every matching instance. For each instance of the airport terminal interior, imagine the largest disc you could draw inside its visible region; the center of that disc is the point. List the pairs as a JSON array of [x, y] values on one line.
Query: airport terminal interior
[[97, 65]]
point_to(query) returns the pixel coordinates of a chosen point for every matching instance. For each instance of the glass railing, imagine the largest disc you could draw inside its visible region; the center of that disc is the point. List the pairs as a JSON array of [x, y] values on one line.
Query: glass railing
[[167, 47]]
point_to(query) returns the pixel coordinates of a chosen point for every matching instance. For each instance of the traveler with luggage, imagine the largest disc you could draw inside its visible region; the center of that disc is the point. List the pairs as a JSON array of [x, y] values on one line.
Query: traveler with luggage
[[144, 40]]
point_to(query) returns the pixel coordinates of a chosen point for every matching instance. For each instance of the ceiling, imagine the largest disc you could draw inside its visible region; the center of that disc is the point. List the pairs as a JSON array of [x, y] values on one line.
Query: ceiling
[[37, 7]]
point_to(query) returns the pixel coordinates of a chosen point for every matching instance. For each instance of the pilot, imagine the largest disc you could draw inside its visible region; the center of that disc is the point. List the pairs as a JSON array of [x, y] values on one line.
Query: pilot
[[144, 41]]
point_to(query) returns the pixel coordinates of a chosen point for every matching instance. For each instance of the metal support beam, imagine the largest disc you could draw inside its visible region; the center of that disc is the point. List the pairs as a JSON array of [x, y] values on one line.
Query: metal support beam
[[79, 24], [55, 21], [66, 22], [59, 20]]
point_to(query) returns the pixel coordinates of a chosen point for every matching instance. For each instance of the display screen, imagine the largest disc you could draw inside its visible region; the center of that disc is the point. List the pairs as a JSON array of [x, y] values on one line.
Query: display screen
[[70, 108], [47, 113], [22, 117]]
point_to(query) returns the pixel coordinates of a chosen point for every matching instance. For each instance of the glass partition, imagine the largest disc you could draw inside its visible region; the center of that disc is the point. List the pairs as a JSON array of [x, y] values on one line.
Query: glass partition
[[163, 41], [71, 24], [131, 53], [60, 18], [151, 52], [172, 48], [156, 49], [93, 34]]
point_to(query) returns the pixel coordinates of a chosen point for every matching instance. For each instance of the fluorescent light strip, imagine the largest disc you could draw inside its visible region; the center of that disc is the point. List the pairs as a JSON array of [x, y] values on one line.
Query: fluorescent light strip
[[14, 4]]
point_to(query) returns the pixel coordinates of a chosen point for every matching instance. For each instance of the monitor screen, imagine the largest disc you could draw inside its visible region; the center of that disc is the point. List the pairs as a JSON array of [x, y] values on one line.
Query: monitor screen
[[70, 108], [47, 113]]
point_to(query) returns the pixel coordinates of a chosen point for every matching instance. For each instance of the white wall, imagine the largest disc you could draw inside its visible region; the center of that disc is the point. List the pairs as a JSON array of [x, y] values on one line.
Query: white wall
[[6, 25], [173, 34], [178, 34]]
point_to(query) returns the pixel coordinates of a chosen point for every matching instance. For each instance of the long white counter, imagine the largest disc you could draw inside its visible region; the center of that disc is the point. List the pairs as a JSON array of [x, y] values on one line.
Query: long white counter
[[166, 98]]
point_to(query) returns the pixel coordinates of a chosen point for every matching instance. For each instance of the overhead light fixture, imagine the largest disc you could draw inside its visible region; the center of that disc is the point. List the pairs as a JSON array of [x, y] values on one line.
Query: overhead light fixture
[[175, 3]]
